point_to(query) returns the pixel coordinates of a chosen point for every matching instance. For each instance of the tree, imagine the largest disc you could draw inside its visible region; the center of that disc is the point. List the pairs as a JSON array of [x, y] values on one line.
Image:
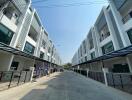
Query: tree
[[67, 65]]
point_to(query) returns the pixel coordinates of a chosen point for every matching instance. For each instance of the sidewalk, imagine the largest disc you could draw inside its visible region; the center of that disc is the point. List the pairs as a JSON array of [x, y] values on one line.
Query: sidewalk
[[23, 89]]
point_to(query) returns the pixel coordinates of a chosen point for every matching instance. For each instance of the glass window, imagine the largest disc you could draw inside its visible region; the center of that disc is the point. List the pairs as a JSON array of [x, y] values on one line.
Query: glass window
[[92, 55], [41, 55], [43, 44], [130, 35], [14, 65], [29, 48], [85, 58], [5, 34], [108, 48], [49, 50]]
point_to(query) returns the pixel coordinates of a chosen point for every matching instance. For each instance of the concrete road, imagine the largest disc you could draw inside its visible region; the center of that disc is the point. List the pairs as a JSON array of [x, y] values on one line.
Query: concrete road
[[67, 86]]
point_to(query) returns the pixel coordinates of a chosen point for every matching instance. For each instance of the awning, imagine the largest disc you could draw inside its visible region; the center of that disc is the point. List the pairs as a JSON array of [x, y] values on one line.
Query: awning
[[14, 51], [119, 53]]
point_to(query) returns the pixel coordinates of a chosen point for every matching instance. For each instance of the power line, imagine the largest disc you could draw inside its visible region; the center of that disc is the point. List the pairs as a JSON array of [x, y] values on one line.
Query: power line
[[65, 5], [39, 1], [70, 5]]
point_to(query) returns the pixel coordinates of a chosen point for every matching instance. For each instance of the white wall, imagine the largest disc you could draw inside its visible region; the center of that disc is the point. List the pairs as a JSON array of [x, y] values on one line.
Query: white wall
[[5, 61], [24, 63]]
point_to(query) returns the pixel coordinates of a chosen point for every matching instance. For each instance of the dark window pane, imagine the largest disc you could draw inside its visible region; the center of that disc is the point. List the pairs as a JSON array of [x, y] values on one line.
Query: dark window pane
[[29, 48], [5, 35], [41, 55], [92, 55], [130, 35], [108, 48], [14, 65]]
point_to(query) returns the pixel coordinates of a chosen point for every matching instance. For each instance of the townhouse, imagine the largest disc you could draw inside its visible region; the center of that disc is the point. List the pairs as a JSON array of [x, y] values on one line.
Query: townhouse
[[22, 29], [111, 32]]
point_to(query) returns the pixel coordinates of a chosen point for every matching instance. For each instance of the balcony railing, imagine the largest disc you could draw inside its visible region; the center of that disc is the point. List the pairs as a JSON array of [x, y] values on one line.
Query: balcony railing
[[104, 36], [10, 79], [127, 17]]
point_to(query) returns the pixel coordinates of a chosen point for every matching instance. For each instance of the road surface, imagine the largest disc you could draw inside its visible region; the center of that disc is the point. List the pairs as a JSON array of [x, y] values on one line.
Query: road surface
[[66, 86]]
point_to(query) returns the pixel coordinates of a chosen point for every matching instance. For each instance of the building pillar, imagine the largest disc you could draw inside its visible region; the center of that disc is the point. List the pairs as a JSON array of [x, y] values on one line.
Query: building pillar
[[32, 71], [111, 29], [10, 62], [87, 72], [118, 20], [129, 62], [105, 71], [98, 42], [95, 43]]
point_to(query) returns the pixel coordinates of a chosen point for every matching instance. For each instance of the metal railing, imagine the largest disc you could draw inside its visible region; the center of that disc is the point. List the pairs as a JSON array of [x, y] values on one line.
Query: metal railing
[[98, 76], [10, 79], [127, 17], [122, 81]]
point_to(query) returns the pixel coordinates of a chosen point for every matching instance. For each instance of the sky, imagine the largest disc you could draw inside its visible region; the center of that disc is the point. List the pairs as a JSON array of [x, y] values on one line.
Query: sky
[[68, 22]]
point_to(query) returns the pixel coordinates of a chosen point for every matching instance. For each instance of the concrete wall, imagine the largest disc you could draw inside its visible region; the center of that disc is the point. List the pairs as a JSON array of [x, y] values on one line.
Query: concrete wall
[[24, 63], [5, 61]]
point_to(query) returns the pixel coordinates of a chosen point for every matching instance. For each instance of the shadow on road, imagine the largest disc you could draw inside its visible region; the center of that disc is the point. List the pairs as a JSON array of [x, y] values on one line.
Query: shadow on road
[[46, 91]]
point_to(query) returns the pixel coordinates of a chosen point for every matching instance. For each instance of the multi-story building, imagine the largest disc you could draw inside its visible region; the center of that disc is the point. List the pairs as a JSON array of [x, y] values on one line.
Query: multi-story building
[[111, 32], [21, 28]]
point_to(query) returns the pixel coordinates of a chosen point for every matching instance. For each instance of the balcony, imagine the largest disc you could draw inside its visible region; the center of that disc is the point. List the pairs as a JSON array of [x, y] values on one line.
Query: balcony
[[125, 10], [91, 44], [104, 33], [33, 34], [12, 13], [127, 17], [8, 23]]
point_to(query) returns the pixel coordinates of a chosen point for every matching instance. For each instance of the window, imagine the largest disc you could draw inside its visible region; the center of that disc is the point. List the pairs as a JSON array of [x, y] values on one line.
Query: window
[[84, 46], [108, 48], [48, 58], [41, 55], [43, 44], [29, 48], [5, 34], [14, 65], [85, 58], [130, 35], [92, 55], [49, 50]]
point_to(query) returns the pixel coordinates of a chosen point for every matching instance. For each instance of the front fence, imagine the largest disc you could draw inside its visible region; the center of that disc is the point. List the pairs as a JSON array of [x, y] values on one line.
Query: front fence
[[10, 79], [98, 76], [122, 81]]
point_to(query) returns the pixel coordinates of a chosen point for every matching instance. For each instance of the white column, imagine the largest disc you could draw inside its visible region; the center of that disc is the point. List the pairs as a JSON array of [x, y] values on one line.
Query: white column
[[111, 29], [38, 45], [118, 20], [19, 29], [95, 43], [129, 61], [105, 70], [32, 71], [98, 41], [87, 72]]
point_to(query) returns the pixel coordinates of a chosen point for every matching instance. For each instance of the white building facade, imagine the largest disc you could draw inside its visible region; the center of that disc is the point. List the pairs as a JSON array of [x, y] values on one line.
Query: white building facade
[[112, 31], [21, 28]]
